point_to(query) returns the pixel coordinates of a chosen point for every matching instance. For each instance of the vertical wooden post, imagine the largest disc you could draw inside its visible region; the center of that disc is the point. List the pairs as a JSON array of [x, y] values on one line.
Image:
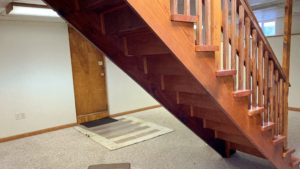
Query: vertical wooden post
[[247, 51], [260, 74], [199, 23], [174, 7], [208, 19], [276, 87], [286, 61], [225, 34], [216, 29], [280, 106], [271, 93], [241, 47], [266, 78], [254, 68], [233, 42], [187, 7]]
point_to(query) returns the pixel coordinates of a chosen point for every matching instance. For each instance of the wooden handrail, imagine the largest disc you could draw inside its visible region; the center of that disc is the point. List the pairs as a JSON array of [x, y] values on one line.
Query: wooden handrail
[[262, 37]]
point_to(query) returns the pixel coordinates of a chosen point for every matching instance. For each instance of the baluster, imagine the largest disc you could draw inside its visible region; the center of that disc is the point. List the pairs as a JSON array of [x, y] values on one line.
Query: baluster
[[241, 48], [174, 7], [276, 103], [281, 106], [260, 75], [225, 34], [187, 8], [254, 68], [233, 34], [208, 21], [271, 94], [216, 29], [199, 23], [247, 51], [266, 96]]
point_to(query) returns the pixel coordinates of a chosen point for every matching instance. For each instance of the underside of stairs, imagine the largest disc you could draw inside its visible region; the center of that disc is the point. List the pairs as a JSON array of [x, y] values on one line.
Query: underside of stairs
[[161, 56]]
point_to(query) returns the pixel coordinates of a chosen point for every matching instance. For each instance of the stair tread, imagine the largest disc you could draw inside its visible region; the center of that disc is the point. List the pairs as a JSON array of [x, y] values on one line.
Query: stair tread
[[206, 48], [288, 152], [184, 18], [267, 126], [242, 93], [256, 111], [222, 73], [278, 139]]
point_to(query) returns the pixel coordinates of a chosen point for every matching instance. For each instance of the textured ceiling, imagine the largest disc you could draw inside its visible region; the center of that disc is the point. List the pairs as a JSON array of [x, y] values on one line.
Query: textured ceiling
[[272, 9]]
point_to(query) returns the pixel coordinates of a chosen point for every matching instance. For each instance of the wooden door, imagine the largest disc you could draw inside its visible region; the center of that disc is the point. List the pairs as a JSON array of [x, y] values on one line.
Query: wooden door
[[89, 79]]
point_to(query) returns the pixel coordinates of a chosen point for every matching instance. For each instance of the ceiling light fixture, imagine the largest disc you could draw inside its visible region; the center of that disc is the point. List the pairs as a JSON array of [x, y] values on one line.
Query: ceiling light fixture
[[15, 8]]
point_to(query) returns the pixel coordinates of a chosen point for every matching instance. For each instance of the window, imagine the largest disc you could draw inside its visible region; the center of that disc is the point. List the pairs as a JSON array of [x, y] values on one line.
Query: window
[[269, 28]]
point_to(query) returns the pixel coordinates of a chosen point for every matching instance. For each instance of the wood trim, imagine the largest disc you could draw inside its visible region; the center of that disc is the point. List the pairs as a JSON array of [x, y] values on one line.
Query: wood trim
[[135, 111], [296, 109], [33, 133], [92, 116]]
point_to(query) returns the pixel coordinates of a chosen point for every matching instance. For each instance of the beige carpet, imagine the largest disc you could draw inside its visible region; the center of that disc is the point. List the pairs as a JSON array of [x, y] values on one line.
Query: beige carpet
[[181, 149], [124, 132]]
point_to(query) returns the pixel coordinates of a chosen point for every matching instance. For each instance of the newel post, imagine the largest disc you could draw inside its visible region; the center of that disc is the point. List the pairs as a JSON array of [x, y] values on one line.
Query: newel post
[[286, 61]]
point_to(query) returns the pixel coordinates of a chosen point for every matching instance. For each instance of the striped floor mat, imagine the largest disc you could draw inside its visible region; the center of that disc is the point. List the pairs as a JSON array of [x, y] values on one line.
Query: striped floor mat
[[124, 132]]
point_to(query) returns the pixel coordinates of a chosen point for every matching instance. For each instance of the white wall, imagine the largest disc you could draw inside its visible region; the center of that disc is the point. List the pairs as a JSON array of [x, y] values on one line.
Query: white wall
[[35, 76], [277, 45], [123, 93], [280, 25]]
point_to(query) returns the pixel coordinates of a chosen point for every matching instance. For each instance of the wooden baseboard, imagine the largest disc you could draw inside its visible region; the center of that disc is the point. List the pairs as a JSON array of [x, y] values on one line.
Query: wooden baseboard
[[294, 109], [135, 111], [19, 136]]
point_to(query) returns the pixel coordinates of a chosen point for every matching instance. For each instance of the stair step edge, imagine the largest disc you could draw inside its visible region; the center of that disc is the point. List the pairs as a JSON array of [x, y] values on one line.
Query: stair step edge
[[288, 152], [280, 139], [206, 48], [267, 127], [242, 93], [255, 111], [184, 18], [223, 73]]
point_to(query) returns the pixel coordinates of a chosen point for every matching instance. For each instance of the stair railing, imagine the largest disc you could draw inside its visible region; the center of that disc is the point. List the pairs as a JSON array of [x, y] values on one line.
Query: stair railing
[[245, 50], [258, 69], [202, 19]]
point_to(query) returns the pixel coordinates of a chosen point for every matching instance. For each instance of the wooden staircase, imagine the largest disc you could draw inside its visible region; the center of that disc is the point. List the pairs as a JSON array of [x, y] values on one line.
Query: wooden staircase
[[225, 93]]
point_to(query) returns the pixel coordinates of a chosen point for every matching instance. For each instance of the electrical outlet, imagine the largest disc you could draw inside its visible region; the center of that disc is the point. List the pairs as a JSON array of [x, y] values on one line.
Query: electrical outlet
[[23, 116], [20, 116]]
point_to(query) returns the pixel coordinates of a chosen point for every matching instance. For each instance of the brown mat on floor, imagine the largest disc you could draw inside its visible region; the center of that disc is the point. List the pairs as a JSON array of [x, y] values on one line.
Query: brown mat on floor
[[111, 166]]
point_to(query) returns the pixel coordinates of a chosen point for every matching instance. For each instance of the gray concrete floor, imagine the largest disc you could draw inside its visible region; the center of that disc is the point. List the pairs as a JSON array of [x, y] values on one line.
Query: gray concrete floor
[[68, 149]]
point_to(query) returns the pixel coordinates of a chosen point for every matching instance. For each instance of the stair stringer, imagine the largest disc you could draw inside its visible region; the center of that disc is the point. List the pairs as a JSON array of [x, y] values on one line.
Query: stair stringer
[[89, 24], [179, 37]]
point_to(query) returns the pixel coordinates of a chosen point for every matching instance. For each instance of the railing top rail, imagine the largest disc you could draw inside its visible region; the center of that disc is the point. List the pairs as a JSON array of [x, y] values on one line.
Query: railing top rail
[[262, 37]]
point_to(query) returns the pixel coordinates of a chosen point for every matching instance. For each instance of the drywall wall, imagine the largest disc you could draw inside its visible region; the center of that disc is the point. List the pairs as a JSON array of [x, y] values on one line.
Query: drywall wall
[[280, 25], [277, 45], [35, 76], [124, 94]]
